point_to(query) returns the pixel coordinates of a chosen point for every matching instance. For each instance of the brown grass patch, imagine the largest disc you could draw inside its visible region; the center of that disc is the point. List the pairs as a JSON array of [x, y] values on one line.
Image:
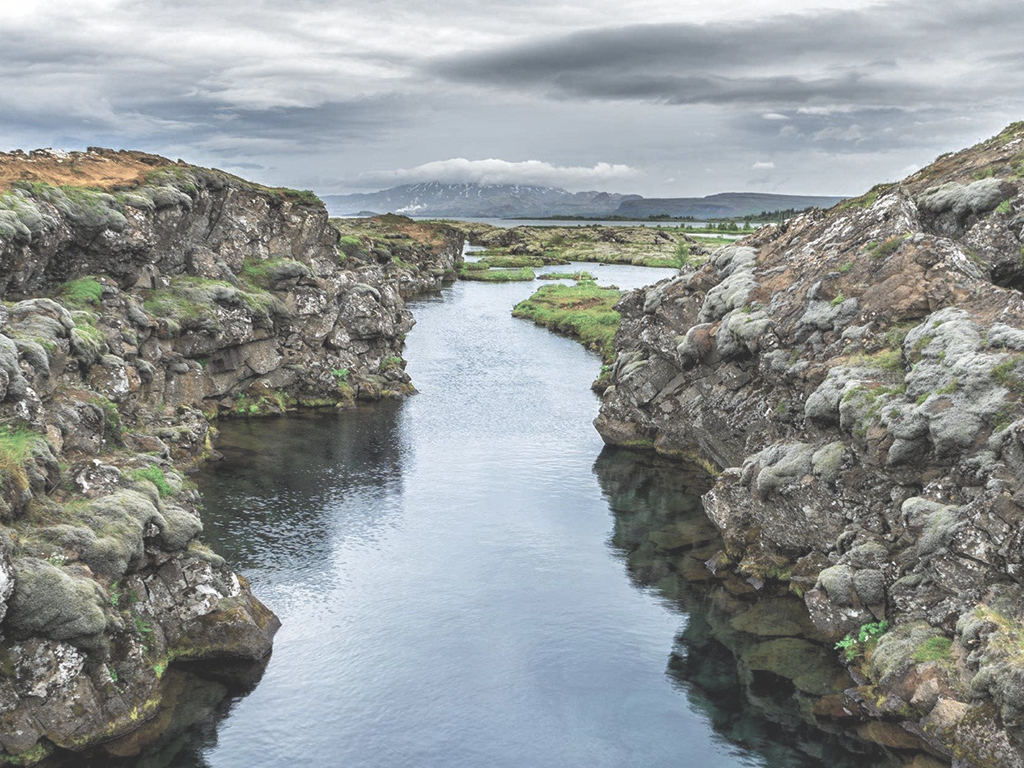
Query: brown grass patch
[[104, 169]]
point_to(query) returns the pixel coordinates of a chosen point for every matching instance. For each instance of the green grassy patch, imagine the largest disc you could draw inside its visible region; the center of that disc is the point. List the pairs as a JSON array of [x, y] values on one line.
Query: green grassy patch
[[583, 275], [584, 311], [84, 292], [511, 261], [866, 200], [154, 475], [886, 359], [524, 274], [881, 250], [933, 649], [16, 444]]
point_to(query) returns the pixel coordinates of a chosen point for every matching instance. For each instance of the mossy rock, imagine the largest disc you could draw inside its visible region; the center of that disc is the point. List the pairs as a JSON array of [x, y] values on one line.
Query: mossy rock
[[52, 602]]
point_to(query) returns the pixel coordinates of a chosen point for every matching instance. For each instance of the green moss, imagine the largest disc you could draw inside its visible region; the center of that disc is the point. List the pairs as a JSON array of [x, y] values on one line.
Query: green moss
[[257, 273], [84, 292], [933, 649], [392, 361], [584, 311], [351, 247], [154, 475], [36, 754]]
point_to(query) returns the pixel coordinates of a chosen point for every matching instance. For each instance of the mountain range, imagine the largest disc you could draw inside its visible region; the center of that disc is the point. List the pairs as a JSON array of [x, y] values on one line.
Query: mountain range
[[470, 200]]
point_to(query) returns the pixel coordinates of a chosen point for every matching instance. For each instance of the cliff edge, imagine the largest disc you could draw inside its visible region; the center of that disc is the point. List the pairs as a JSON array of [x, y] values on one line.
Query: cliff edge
[[857, 375], [143, 298]]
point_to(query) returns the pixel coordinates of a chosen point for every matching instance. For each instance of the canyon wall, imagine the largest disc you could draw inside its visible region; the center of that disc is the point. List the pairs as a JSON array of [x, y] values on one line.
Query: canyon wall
[[856, 377], [144, 299]]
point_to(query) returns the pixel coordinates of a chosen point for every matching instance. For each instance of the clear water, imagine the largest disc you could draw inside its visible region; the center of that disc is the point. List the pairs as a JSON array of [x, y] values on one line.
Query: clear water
[[460, 585]]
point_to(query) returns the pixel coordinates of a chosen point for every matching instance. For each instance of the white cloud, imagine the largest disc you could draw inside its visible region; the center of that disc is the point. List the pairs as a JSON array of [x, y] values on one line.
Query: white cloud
[[458, 170], [774, 116], [763, 166]]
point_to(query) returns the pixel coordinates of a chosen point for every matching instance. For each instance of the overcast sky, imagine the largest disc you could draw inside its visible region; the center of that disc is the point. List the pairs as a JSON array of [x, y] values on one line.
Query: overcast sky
[[656, 97]]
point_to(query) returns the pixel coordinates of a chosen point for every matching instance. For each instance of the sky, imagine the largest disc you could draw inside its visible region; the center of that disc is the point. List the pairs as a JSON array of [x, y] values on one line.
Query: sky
[[663, 98]]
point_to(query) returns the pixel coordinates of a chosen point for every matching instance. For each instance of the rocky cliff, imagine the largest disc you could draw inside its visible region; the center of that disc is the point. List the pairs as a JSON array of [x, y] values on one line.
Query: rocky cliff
[[136, 309], [857, 375]]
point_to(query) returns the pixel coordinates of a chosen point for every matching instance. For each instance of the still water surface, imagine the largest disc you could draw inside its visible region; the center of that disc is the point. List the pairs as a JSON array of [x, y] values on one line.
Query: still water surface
[[456, 577]]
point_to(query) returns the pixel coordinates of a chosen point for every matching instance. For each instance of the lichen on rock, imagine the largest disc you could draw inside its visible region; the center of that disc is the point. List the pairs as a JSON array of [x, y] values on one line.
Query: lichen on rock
[[857, 376]]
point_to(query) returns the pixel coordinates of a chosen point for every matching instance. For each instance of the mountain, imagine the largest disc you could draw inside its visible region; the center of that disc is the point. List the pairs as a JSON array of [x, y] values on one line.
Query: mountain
[[720, 206], [522, 200], [478, 200]]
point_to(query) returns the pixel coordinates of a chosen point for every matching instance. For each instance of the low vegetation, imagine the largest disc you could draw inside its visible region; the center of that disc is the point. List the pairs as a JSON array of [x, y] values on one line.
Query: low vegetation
[[584, 311], [524, 274]]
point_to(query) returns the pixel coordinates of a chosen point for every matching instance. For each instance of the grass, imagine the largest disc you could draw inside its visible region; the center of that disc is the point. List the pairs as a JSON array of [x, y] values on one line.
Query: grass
[[886, 359], [156, 476], [887, 248], [866, 200], [566, 276], [511, 261], [351, 247], [16, 446], [257, 272], [933, 649], [584, 311], [84, 292], [524, 274]]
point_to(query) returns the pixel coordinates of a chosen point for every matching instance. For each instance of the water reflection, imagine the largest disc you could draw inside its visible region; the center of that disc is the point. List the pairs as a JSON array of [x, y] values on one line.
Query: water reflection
[[447, 593], [274, 499], [196, 699], [751, 668]]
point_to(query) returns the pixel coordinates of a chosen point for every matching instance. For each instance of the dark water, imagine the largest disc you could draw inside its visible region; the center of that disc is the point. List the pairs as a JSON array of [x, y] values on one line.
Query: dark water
[[461, 585]]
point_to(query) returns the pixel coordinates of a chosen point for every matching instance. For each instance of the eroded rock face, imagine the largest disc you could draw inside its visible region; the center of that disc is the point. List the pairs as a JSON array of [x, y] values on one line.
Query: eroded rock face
[[857, 374], [187, 295]]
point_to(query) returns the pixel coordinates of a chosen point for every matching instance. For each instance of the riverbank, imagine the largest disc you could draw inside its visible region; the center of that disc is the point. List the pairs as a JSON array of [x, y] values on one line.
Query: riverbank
[[135, 313], [639, 246], [855, 374]]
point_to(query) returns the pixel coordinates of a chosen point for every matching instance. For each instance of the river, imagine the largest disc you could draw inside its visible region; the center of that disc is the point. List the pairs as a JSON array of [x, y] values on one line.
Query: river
[[466, 580]]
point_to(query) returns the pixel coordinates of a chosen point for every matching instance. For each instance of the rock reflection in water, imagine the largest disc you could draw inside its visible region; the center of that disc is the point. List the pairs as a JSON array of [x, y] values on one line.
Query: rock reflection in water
[[276, 491], [196, 699], [753, 668]]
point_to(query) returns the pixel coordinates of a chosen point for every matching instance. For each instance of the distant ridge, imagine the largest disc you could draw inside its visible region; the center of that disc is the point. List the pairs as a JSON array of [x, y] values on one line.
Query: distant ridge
[[722, 205], [525, 201], [478, 200]]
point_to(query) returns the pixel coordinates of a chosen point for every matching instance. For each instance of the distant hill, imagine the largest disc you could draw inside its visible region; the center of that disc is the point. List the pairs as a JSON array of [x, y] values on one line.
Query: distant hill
[[720, 206], [526, 201], [477, 200]]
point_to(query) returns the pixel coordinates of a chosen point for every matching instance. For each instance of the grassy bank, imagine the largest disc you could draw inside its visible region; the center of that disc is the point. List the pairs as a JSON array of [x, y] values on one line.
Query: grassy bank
[[584, 311], [496, 275]]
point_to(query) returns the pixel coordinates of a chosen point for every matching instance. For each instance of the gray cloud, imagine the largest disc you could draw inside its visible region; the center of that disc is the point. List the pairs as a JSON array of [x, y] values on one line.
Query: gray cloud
[[315, 92], [909, 53]]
